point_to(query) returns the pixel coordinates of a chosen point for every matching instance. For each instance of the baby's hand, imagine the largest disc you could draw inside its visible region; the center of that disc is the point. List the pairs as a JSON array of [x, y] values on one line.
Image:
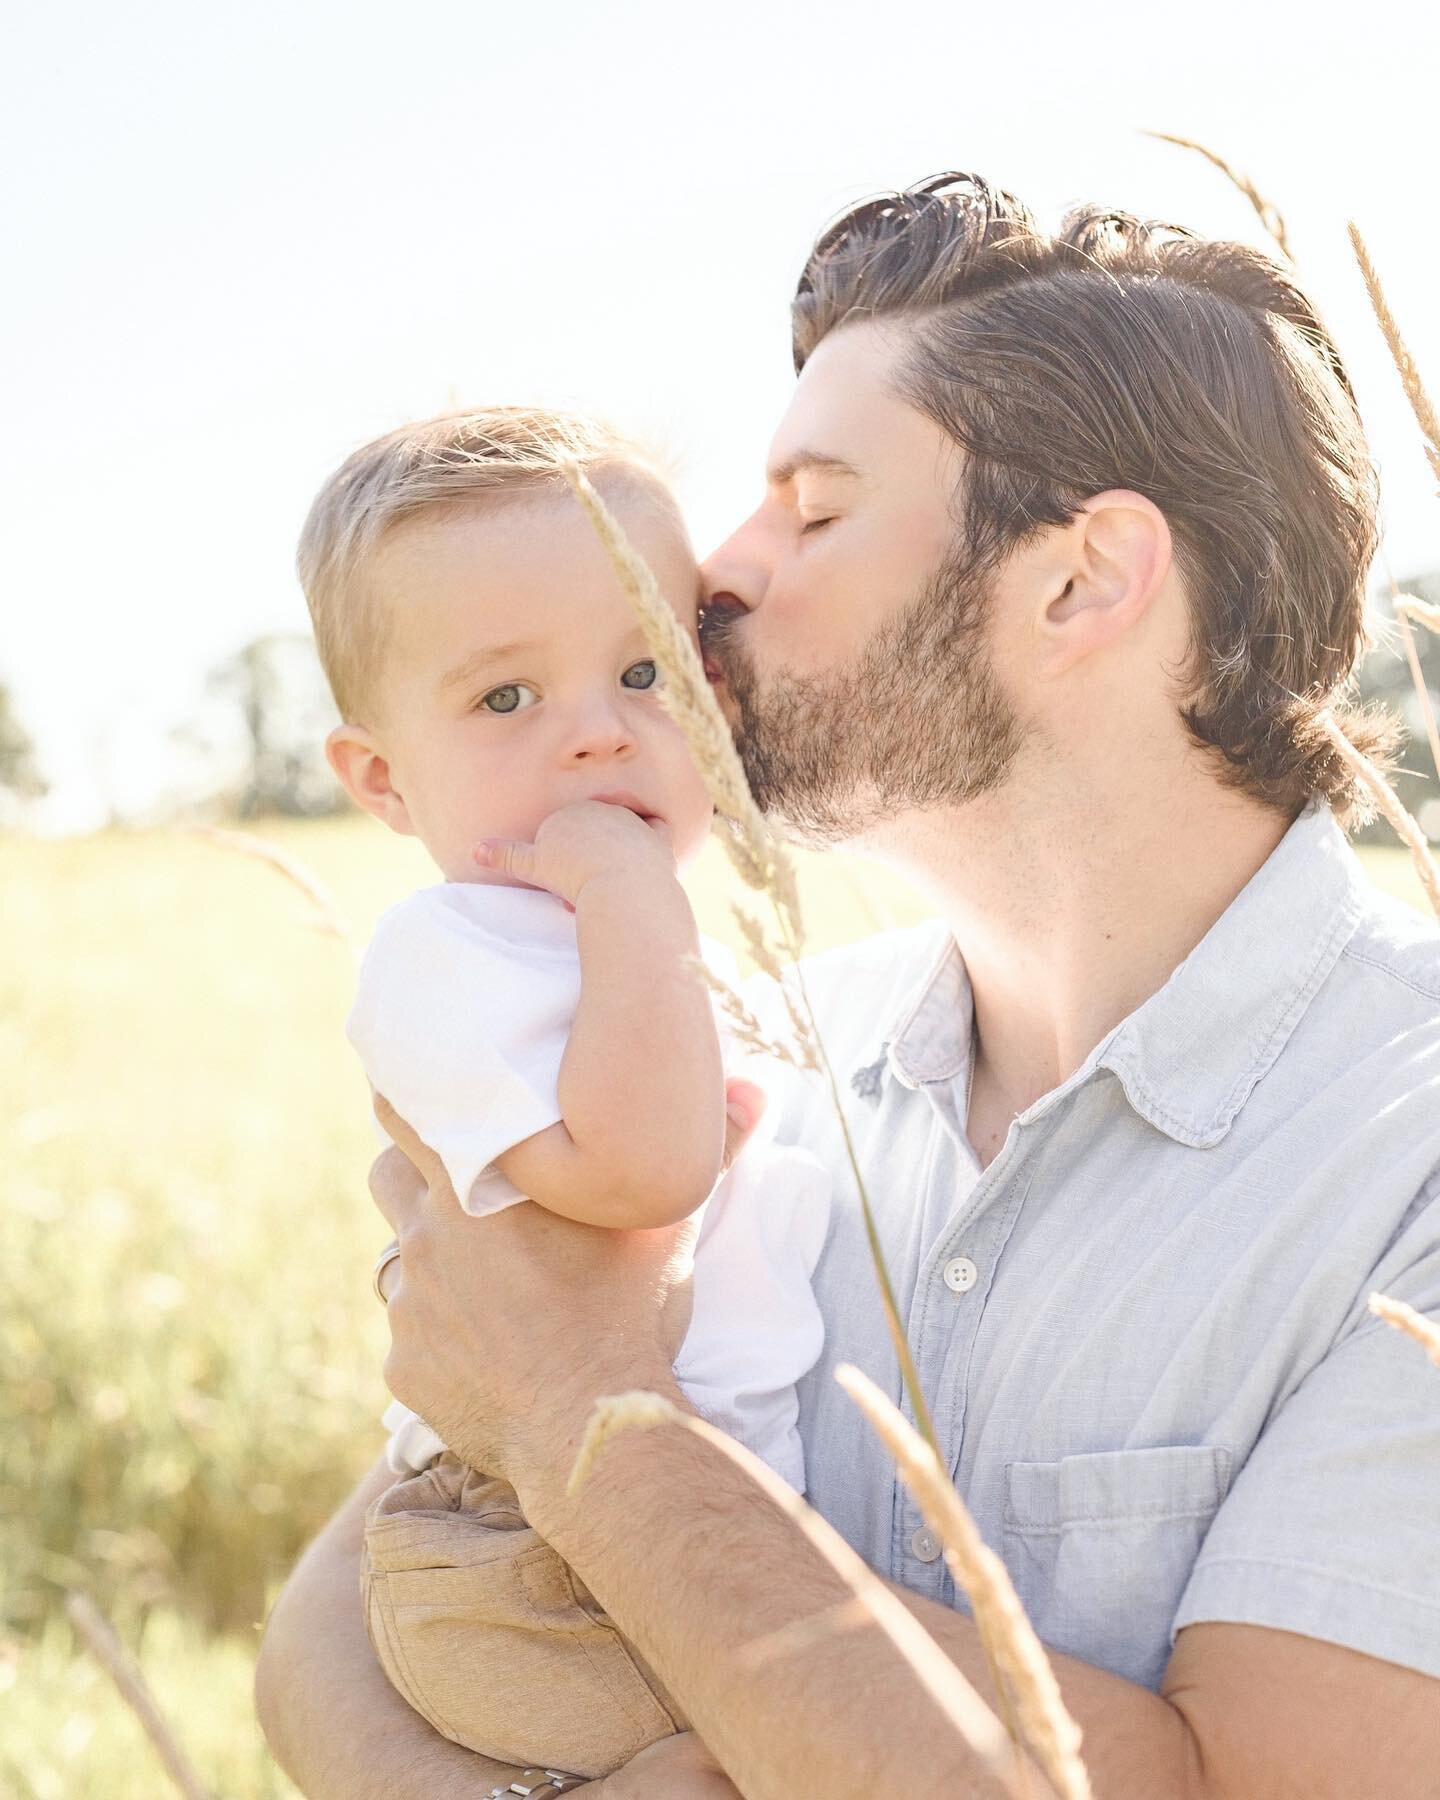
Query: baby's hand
[[579, 842]]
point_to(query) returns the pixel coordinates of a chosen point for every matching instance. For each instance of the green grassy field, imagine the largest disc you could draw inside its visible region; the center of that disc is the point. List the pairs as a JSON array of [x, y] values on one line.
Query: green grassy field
[[189, 1345]]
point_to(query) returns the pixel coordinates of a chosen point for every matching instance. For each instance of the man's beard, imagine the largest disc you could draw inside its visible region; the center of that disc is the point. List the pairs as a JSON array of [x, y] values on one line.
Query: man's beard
[[917, 721]]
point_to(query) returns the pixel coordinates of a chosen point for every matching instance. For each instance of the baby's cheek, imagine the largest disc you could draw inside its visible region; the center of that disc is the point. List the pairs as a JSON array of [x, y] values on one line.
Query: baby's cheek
[[691, 820]]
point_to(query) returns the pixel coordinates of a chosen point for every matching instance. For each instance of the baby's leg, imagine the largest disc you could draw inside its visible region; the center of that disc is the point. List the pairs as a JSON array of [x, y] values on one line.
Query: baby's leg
[[492, 1638]]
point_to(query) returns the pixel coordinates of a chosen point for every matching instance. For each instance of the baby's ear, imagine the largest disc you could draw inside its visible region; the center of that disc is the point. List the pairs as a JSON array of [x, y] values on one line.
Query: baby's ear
[[361, 768]]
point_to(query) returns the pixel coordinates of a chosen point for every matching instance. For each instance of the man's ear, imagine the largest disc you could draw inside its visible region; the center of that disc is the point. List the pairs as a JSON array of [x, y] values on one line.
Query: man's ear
[[1118, 555], [360, 766]]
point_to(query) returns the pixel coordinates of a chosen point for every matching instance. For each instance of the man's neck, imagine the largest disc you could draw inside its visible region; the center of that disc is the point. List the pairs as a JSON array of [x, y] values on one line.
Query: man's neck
[[1073, 902]]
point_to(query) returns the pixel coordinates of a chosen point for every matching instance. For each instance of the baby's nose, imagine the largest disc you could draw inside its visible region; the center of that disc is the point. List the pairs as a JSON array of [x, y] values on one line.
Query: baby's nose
[[599, 732]]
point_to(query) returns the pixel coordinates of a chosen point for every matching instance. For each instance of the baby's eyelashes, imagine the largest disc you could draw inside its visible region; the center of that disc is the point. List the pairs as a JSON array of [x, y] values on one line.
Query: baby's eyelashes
[[513, 696]]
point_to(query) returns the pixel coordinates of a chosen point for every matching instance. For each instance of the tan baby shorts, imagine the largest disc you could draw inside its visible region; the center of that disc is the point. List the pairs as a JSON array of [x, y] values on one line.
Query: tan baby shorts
[[492, 1638]]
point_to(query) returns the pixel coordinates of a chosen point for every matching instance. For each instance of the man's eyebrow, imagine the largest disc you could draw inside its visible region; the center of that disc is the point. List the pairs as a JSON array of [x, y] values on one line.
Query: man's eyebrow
[[478, 660], [785, 471]]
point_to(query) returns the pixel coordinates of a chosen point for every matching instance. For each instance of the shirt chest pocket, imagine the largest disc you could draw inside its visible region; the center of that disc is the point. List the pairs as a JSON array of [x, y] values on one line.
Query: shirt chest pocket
[[1100, 1548]]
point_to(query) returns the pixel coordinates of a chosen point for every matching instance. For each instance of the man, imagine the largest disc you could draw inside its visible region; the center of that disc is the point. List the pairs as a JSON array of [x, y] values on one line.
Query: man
[[1050, 602]]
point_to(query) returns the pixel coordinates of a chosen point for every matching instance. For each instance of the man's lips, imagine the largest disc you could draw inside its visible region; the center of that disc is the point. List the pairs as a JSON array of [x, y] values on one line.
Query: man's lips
[[720, 612]]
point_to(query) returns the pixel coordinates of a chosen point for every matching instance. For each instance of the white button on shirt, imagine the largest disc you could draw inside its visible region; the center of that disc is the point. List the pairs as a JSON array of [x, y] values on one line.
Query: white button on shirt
[[1167, 1401], [960, 1274], [926, 1545]]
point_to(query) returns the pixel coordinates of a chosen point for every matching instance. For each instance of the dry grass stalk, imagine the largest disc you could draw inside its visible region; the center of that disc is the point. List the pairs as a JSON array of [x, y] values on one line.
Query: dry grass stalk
[[1418, 612], [1414, 1324], [108, 1651], [760, 857], [326, 915], [1420, 402], [1018, 1663], [763, 955], [1388, 804], [972, 1719], [763, 862], [761, 952], [747, 1030], [1403, 608], [1269, 214]]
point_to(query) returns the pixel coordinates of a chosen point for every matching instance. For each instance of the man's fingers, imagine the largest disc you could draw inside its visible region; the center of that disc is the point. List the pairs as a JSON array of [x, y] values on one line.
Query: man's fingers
[[414, 1150], [396, 1186], [744, 1106], [389, 1278]]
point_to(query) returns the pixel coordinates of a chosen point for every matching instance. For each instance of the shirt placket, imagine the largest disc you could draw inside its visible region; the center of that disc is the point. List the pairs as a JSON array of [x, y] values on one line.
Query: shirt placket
[[955, 1279]]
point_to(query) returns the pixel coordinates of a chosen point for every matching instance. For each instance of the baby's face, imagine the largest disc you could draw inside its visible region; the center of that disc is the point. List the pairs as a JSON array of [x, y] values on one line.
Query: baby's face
[[519, 679]]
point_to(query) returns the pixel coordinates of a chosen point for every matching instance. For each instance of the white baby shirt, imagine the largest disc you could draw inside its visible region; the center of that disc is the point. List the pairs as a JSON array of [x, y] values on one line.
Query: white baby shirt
[[464, 1007]]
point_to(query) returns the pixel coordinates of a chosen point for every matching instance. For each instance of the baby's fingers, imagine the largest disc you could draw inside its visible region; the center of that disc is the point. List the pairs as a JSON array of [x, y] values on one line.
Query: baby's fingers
[[509, 858], [744, 1104]]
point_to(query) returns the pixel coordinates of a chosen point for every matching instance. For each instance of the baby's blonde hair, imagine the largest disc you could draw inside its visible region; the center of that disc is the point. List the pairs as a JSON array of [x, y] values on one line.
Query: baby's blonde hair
[[435, 466]]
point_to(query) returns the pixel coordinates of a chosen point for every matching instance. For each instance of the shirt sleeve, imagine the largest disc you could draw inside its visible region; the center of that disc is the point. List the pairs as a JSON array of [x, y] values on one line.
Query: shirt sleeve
[[443, 1023], [1332, 1527]]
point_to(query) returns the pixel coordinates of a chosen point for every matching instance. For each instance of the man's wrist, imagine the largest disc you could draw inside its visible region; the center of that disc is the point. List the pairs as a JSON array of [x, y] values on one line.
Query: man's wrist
[[545, 1455], [541, 1784]]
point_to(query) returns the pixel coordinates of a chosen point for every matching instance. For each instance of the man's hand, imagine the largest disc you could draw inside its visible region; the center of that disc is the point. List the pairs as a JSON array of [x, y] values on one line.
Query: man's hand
[[676, 1768], [505, 1330], [581, 843]]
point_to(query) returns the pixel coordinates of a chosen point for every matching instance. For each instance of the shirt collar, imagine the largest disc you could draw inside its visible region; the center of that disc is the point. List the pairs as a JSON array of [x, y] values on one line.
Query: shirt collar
[[1191, 1055]]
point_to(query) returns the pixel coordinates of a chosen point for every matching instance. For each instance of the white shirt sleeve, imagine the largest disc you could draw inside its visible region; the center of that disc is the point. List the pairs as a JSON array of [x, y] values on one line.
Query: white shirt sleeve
[[463, 1034]]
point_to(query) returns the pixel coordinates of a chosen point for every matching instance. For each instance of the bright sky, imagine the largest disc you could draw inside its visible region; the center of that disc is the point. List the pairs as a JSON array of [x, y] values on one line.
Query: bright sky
[[243, 239]]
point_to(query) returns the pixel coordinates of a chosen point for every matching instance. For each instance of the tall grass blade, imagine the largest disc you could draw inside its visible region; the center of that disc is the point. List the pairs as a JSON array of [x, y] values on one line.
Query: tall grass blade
[[108, 1651], [1018, 1663], [1420, 402], [1269, 214], [1390, 808], [762, 860], [1413, 1324]]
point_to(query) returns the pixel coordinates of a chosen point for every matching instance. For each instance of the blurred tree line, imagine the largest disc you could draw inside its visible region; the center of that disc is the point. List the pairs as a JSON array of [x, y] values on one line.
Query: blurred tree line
[[20, 777], [263, 729]]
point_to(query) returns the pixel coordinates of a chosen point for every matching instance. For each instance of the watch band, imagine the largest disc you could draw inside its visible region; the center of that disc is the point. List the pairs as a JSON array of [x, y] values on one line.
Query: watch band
[[539, 1784]]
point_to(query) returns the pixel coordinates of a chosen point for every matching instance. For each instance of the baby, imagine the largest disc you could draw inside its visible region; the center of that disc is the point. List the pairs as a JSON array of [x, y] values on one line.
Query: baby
[[548, 1039]]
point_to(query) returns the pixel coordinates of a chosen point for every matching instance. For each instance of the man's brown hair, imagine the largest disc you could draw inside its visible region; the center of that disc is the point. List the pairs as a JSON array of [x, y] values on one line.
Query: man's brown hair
[[1127, 354]]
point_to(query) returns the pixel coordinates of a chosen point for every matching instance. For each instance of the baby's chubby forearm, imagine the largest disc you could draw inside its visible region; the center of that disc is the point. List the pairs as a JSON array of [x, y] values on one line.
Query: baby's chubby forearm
[[641, 1088]]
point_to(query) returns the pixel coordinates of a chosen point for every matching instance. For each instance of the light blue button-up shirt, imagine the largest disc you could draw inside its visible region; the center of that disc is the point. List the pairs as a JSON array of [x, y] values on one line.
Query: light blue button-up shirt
[[1142, 1331]]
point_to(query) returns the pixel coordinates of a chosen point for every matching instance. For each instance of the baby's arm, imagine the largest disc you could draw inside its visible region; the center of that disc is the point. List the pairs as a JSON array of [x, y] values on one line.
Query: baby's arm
[[642, 1086]]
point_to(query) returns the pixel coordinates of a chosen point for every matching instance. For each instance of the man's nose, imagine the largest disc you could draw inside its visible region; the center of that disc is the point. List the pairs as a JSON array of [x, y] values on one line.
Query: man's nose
[[738, 571]]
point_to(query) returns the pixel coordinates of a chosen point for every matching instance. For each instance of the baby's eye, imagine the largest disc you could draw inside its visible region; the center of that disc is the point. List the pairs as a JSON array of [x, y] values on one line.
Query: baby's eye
[[640, 675], [515, 696]]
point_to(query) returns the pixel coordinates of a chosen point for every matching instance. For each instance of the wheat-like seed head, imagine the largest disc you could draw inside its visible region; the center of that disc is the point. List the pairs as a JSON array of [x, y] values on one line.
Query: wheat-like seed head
[[946, 1685], [1017, 1656], [760, 857], [747, 1030], [762, 953], [1414, 1324], [613, 1414]]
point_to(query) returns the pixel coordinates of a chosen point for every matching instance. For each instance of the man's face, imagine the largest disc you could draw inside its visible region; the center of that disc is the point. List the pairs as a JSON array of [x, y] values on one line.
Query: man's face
[[851, 637]]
